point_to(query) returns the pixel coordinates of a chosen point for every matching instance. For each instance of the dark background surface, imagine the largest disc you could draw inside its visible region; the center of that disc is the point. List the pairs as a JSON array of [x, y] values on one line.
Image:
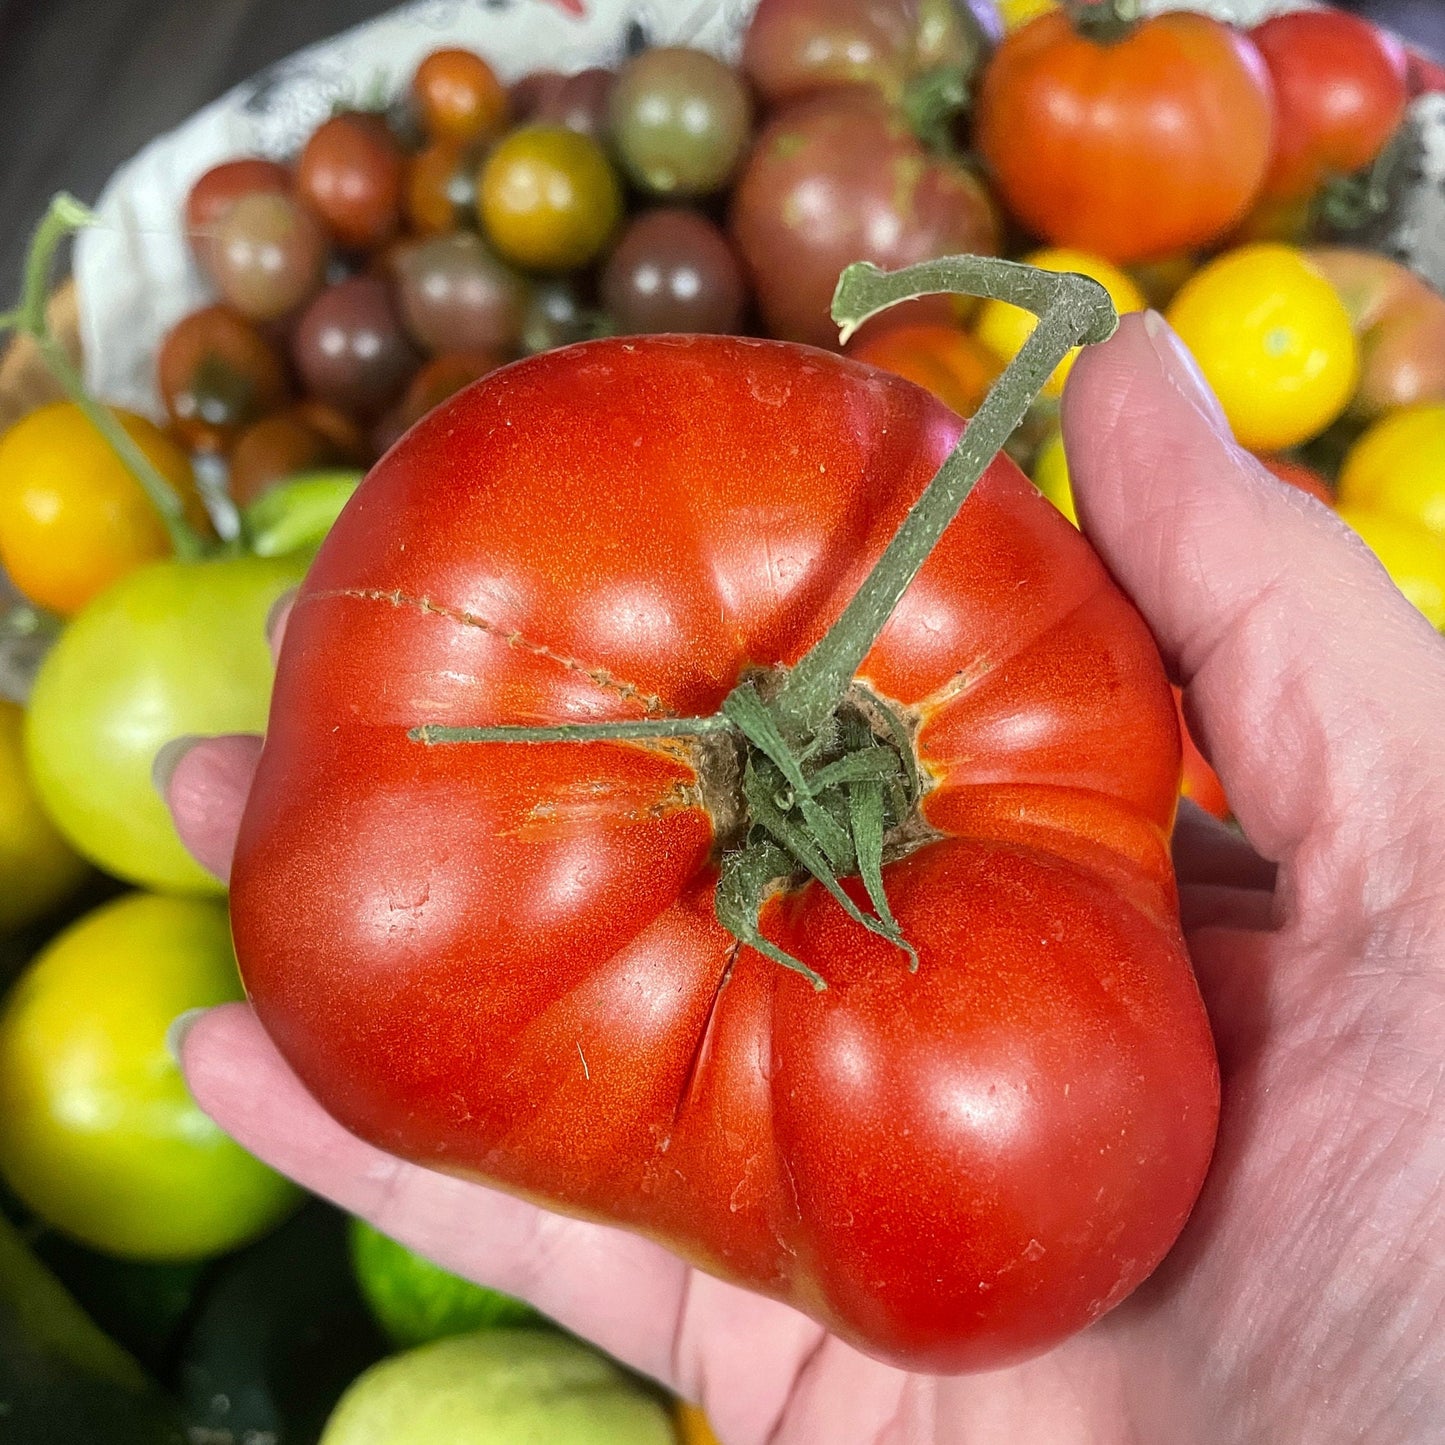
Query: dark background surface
[[85, 83]]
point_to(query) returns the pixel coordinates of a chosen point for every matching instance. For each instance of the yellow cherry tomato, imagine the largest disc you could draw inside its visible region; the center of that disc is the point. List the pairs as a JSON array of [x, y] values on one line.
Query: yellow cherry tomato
[[37, 866], [1015, 14], [1398, 466], [1413, 556], [548, 198], [72, 518], [1273, 339], [1051, 476], [1004, 328], [98, 1134], [692, 1426]]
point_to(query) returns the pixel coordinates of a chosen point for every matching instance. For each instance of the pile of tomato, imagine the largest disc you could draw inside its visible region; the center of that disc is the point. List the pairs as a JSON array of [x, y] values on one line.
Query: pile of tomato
[[404, 253]]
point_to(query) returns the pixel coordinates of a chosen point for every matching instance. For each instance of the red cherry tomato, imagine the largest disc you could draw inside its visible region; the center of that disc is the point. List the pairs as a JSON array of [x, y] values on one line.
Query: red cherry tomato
[[1340, 92], [504, 958], [1132, 148], [352, 173]]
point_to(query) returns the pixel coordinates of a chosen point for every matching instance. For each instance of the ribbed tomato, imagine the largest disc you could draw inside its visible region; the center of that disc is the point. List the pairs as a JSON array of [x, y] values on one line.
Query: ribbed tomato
[[502, 959], [1132, 145]]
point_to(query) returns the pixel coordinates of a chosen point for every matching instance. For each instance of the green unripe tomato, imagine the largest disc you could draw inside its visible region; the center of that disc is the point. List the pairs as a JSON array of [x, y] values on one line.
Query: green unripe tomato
[[171, 649], [522, 1387], [98, 1134]]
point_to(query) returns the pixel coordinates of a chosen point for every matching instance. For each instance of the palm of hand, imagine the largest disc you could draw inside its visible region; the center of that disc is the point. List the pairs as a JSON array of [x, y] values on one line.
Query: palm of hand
[[1299, 1304]]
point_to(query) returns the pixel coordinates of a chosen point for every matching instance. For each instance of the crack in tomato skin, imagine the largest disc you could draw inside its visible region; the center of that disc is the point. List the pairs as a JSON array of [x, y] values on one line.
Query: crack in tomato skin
[[883, 1182], [651, 703]]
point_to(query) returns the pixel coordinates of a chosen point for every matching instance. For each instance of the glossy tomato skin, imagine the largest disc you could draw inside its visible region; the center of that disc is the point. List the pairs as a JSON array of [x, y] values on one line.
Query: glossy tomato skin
[[1135, 149], [805, 207], [503, 960], [1340, 88]]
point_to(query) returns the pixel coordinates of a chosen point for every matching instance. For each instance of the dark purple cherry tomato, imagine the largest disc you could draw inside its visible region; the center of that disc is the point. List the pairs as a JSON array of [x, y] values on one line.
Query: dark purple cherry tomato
[[579, 103], [217, 374], [351, 174], [840, 178], [455, 295], [673, 270], [350, 347], [268, 255], [680, 121]]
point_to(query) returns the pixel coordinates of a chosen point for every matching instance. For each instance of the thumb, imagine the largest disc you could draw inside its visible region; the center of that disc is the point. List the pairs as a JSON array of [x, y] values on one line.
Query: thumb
[[1317, 689]]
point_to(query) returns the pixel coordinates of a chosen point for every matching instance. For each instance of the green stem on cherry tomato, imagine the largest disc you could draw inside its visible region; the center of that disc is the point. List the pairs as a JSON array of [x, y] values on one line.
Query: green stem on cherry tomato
[[66, 216], [1072, 310], [1104, 21]]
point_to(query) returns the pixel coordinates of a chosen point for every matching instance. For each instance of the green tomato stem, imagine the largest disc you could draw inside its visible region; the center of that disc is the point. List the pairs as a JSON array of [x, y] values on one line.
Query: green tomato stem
[[66, 216], [1072, 310]]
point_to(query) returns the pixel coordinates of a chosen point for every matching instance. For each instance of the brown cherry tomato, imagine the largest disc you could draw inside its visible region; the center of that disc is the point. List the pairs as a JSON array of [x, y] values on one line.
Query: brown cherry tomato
[[548, 198], [945, 360], [673, 270], [579, 103], [458, 96], [350, 347], [455, 295], [268, 255], [351, 175], [221, 187], [272, 449], [334, 424], [217, 374]]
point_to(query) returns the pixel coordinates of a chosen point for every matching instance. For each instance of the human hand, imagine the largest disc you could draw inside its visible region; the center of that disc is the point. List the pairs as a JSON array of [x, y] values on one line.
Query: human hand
[[1306, 1299]]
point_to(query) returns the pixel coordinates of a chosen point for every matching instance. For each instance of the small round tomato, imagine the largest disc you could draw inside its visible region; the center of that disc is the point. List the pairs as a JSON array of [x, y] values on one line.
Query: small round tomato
[[1273, 339], [98, 1134], [1340, 91], [217, 374], [458, 96], [441, 188], [268, 255], [1051, 476], [72, 518], [174, 648], [679, 120], [350, 346], [945, 360], [38, 868], [351, 174], [674, 270], [1131, 143], [219, 188], [274, 448], [1004, 328], [1306, 479], [548, 198], [1398, 466], [1412, 555]]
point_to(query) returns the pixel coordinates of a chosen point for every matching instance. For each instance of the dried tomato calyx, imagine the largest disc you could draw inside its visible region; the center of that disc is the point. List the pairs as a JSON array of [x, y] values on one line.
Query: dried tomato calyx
[[828, 774]]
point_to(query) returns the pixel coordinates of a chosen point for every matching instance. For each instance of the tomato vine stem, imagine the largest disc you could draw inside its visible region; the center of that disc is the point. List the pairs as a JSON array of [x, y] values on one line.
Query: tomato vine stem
[[64, 217], [828, 773]]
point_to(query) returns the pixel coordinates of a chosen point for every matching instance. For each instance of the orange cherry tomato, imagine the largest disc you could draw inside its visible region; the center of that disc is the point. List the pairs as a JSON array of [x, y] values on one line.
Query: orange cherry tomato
[[1132, 146], [1301, 476], [458, 96], [72, 517], [945, 360]]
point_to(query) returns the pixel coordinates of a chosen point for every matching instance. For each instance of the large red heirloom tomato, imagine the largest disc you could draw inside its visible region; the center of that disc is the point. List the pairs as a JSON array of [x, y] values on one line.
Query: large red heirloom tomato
[[501, 959]]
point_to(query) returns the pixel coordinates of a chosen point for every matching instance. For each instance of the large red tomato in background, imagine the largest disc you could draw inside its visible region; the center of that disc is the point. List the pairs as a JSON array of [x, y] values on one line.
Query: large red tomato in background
[[1133, 146], [502, 959]]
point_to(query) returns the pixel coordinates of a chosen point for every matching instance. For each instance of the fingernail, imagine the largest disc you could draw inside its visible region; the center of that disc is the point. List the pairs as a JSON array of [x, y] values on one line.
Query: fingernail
[[181, 1025], [1181, 368], [168, 759], [278, 610]]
